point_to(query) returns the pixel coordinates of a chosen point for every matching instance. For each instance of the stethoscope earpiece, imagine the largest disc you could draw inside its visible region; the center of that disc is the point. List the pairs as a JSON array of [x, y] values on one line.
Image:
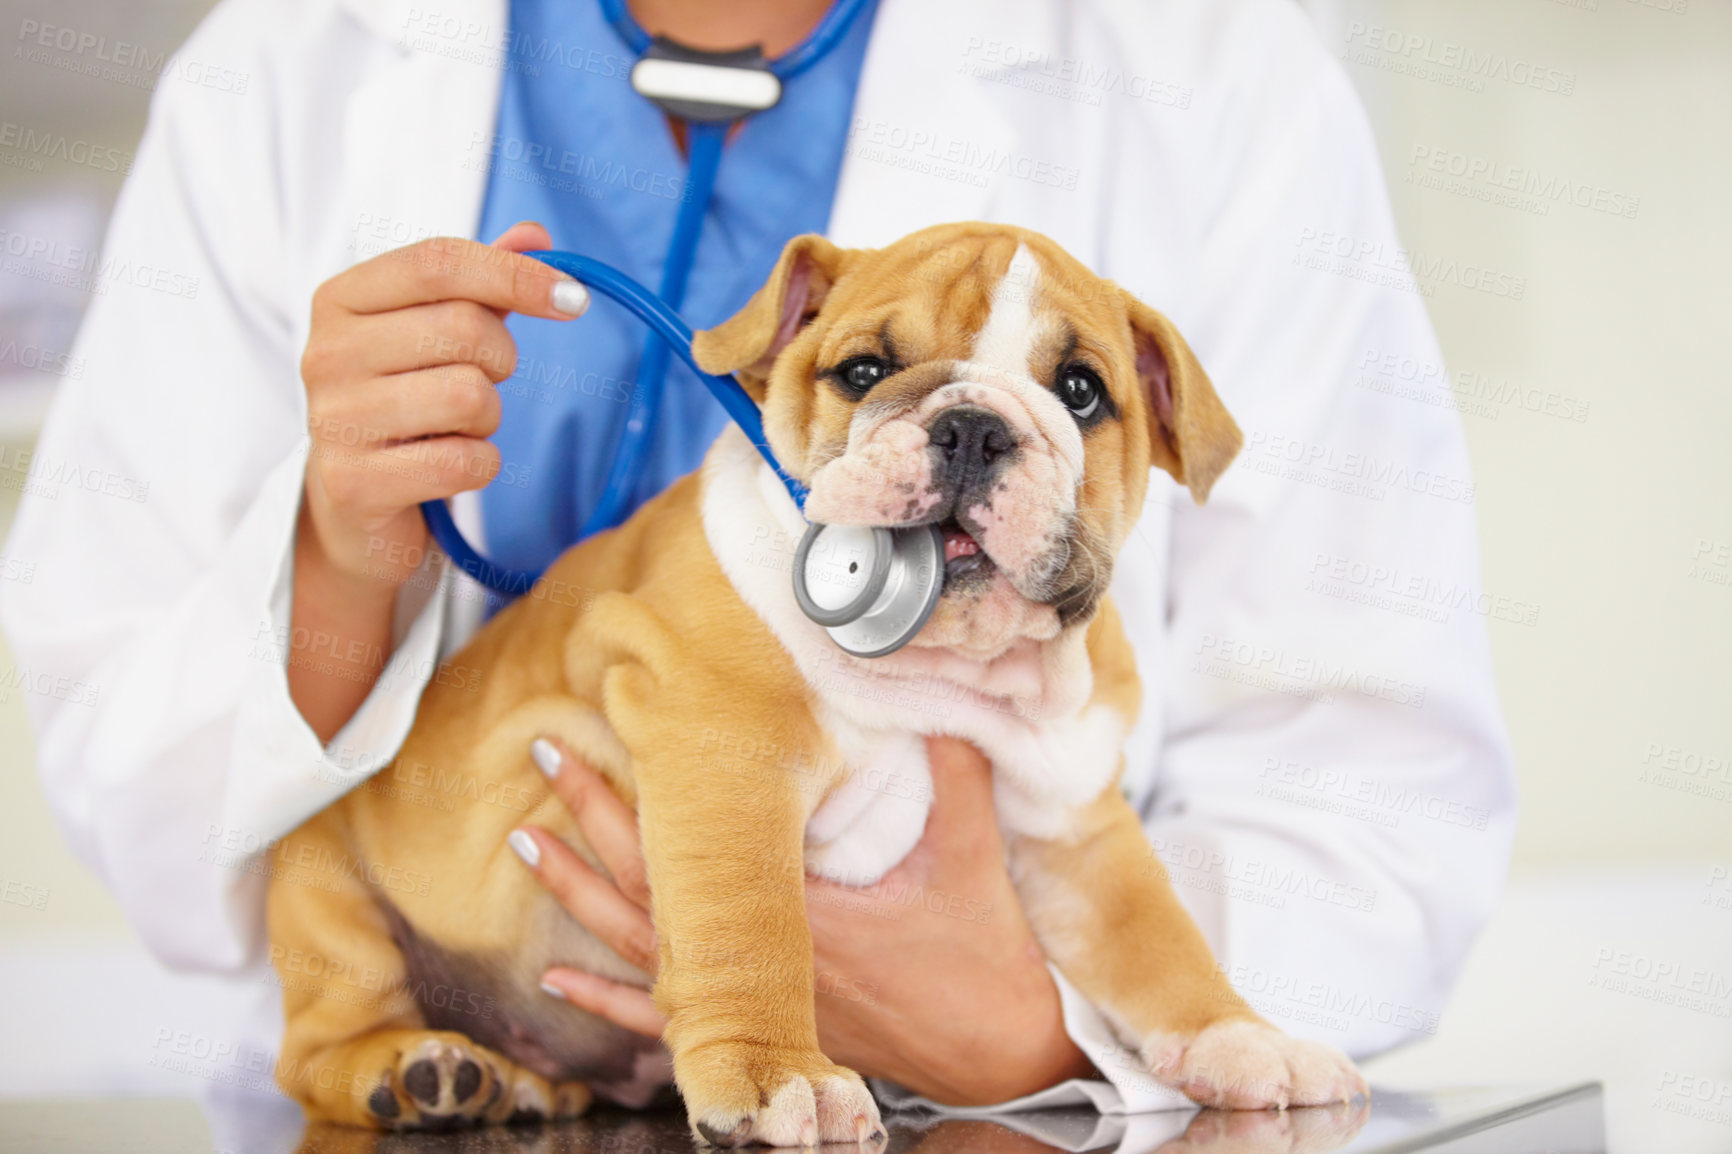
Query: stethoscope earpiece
[[872, 589]]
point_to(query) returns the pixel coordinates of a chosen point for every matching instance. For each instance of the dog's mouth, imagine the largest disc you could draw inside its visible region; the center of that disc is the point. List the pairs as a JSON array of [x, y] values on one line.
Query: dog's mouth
[[965, 562]]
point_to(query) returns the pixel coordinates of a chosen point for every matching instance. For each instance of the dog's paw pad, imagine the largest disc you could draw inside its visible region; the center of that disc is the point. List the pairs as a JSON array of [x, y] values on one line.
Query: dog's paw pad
[[846, 1111], [383, 1102], [746, 1101], [1242, 1065], [437, 1085]]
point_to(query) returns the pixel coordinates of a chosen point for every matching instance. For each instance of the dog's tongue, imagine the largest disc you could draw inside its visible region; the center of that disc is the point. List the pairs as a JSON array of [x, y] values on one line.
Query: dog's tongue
[[959, 544]]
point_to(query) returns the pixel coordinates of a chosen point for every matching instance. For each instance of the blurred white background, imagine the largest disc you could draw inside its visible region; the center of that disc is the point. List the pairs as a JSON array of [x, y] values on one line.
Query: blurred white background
[[1598, 408]]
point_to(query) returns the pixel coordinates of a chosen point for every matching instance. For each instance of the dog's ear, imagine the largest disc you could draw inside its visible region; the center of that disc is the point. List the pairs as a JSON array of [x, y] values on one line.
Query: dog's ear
[[1191, 434], [747, 343]]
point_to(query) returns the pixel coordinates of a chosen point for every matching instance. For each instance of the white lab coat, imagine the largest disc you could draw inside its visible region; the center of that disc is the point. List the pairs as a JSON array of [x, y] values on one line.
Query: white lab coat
[[1324, 770]]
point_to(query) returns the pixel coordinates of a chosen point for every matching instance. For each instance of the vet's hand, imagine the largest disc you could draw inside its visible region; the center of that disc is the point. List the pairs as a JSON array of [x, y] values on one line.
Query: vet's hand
[[932, 978], [402, 358]]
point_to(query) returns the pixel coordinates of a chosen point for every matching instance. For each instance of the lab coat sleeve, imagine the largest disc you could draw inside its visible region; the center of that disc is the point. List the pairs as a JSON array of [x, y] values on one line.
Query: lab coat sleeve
[[159, 516], [1321, 759]]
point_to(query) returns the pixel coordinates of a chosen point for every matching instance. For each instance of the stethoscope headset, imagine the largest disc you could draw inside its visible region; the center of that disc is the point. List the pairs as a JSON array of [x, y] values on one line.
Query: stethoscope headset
[[872, 589]]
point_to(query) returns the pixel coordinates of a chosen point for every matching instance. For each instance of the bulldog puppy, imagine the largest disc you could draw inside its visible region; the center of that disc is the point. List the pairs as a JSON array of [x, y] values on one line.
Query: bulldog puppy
[[973, 376]]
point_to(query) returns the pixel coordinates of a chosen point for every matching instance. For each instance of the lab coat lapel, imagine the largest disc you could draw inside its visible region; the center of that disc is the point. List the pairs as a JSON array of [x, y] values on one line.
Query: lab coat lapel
[[923, 133], [415, 137]]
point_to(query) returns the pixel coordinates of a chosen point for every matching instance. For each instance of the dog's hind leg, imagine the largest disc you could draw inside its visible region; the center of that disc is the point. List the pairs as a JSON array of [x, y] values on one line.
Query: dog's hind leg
[[419, 1079], [356, 1048]]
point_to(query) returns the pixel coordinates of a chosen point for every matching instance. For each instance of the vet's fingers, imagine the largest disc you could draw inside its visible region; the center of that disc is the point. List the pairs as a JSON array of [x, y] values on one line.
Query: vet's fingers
[[383, 411], [421, 336], [625, 1006], [524, 236], [450, 268], [962, 807], [622, 926], [608, 825]]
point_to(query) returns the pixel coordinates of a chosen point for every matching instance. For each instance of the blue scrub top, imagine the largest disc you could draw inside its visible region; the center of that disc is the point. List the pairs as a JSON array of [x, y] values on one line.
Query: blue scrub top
[[576, 149]]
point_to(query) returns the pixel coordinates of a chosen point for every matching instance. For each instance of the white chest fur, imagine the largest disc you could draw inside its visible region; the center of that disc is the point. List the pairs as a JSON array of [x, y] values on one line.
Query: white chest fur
[[1027, 711]]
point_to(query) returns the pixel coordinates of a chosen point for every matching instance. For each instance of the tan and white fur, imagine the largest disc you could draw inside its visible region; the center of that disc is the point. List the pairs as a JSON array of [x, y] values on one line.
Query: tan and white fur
[[671, 655]]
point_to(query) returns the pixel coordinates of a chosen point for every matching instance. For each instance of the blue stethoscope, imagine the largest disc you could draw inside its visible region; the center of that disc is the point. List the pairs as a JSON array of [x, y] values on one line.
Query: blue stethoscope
[[872, 589]]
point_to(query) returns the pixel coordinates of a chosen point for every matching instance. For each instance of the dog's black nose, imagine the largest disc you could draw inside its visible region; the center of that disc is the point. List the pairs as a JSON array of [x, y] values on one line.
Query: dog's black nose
[[968, 440]]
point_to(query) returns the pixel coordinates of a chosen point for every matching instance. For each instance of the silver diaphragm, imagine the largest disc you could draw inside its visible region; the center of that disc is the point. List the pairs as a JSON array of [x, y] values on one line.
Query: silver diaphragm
[[872, 589]]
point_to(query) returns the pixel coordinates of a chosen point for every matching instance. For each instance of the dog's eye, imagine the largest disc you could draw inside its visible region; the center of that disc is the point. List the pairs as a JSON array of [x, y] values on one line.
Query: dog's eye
[[861, 373], [1080, 389]]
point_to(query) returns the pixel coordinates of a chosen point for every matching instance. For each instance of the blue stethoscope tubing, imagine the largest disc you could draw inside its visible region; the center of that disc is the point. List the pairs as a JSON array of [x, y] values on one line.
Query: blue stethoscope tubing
[[670, 332], [659, 311], [704, 145], [872, 589], [893, 577]]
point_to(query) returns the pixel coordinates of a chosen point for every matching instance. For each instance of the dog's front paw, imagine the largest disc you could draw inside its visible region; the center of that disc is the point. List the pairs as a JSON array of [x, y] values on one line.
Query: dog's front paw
[[743, 1094], [1248, 1065]]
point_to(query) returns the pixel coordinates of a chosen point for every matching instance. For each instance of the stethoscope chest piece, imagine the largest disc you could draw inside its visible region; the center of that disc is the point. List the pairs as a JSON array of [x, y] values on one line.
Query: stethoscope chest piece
[[872, 589]]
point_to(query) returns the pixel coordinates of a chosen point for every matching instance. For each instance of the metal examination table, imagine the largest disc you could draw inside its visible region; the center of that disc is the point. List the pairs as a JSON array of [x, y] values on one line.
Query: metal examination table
[[1566, 1120]]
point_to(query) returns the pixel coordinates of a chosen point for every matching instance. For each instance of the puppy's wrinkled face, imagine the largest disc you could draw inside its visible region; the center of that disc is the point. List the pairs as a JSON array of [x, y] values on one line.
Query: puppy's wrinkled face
[[976, 377]]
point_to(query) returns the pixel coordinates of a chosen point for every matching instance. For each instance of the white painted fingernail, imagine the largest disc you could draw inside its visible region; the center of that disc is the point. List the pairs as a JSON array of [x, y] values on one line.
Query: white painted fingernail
[[552, 990], [524, 847], [570, 298], [545, 757]]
